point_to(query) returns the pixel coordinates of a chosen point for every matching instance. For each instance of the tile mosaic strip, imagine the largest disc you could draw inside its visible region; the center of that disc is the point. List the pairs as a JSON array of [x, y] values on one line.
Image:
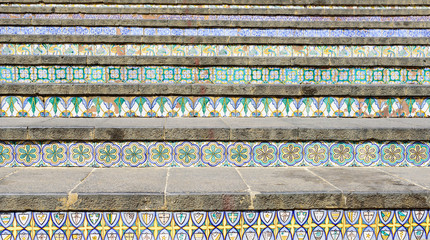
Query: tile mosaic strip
[[215, 50], [214, 17], [201, 106], [218, 75], [214, 154], [213, 6], [313, 224], [229, 32]]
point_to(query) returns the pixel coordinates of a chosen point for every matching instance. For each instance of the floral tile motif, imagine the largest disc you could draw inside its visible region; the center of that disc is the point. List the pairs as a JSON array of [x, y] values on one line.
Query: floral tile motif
[[202, 106], [226, 32], [399, 51], [217, 75], [214, 154], [315, 224]]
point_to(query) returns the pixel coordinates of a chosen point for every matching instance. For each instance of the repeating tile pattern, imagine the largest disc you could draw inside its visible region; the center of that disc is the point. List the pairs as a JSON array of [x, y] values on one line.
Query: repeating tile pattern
[[86, 5], [257, 18], [181, 106], [228, 32], [218, 75], [215, 50], [214, 154], [230, 225]]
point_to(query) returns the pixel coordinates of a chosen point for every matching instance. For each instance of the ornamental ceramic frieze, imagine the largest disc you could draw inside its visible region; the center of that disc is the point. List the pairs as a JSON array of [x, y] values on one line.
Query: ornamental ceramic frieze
[[201, 106], [315, 224], [217, 75], [227, 32], [258, 18], [365, 51], [213, 154]]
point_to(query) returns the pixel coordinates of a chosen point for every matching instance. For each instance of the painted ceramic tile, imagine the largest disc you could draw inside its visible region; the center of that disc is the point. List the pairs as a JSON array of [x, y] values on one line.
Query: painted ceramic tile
[[214, 154], [216, 50], [218, 75], [202, 106], [230, 225]]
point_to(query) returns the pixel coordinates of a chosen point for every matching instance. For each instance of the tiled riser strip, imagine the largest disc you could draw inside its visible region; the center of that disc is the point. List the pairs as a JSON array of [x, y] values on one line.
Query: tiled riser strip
[[214, 17], [231, 32], [177, 106], [214, 50], [231, 75], [268, 225], [211, 154]]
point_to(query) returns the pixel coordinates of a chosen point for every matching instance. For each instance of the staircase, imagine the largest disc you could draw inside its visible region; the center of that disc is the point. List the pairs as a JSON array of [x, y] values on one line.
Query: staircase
[[220, 120]]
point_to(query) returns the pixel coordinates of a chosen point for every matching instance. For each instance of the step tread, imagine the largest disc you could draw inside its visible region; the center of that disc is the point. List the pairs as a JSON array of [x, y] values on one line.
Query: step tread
[[215, 129], [190, 189]]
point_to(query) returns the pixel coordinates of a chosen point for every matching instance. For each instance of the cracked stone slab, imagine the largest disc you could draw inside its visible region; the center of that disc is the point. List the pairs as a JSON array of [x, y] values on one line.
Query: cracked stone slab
[[207, 189]]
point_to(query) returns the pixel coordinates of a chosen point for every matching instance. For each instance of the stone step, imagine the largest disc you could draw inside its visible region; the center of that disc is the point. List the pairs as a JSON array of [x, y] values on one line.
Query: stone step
[[215, 61], [237, 2], [359, 24], [211, 189], [214, 129], [232, 90], [213, 10], [225, 40]]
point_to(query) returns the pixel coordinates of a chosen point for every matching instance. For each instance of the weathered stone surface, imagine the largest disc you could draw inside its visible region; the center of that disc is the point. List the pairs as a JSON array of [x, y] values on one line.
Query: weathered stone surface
[[206, 189], [289, 188], [215, 61], [189, 189], [215, 129]]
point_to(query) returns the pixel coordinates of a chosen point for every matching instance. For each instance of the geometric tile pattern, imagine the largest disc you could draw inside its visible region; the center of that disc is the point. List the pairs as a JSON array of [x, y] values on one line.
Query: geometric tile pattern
[[258, 18], [228, 32], [218, 75], [207, 106], [402, 51], [214, 154], [312, 224]]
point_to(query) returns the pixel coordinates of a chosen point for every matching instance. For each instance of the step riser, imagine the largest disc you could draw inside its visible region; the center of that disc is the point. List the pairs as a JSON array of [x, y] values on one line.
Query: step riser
[[267, 225], [213, 154], [207, 75]]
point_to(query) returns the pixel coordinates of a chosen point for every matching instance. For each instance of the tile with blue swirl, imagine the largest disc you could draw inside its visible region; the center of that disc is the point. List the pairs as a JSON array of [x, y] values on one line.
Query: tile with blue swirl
[[214, 154], [202, 106], [314, 224], [217, 75]]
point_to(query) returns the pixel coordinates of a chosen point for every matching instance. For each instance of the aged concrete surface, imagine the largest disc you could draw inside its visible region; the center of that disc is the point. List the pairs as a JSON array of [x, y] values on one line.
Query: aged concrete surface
[[216, 11], [189, 189], [215, 129], [240, 90], [214, 61], [92, 39], [241, 2]]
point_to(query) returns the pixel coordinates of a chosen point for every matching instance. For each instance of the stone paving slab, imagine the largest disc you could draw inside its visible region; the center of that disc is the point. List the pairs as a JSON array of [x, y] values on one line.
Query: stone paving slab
[[92, 39], [216, 23], [216, 11], [215, 129], [189, 189], [214, 61], [241, 90]]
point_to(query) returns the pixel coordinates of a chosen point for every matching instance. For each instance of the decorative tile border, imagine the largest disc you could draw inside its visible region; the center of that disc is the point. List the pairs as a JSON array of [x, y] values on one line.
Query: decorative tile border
[[241, 225], [179, 106], [214, 154], [215, 50], [229, 32], [216, 17], [218, 75], [84, 5]]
